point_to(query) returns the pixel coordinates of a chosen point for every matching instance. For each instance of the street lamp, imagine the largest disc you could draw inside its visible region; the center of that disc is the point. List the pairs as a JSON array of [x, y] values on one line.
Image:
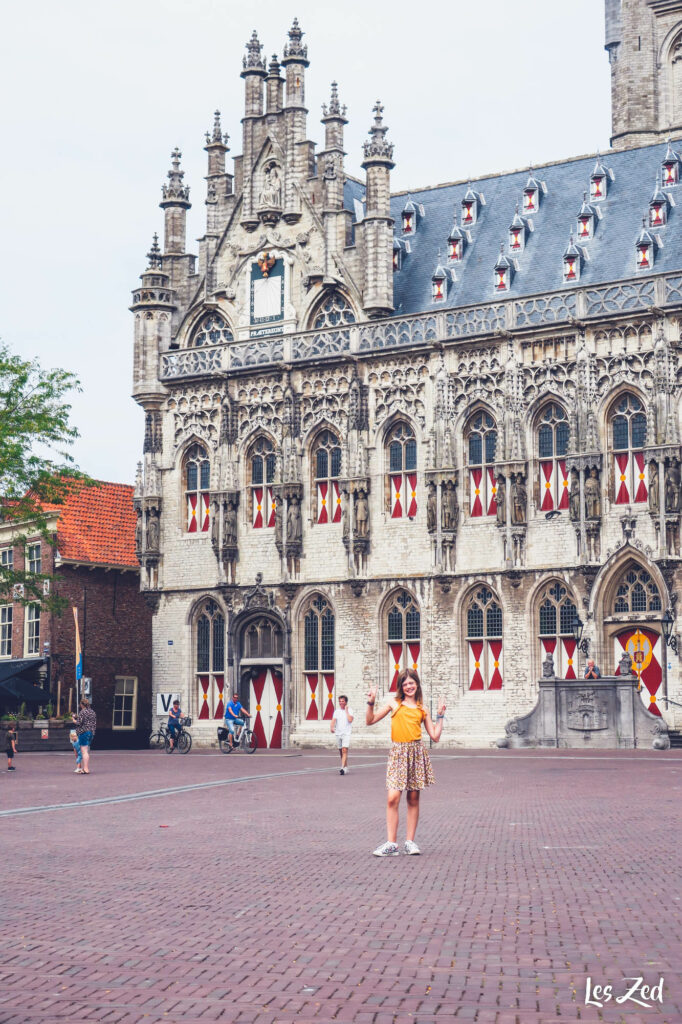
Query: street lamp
[[578, 626], [667, 623]]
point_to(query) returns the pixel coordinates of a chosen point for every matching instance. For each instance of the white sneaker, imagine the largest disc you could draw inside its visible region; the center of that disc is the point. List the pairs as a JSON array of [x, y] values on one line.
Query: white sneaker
[[387, 850], [411, 848]]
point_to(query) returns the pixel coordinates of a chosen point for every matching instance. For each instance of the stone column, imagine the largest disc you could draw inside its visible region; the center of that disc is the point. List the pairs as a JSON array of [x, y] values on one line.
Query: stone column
[[509, 560], [583, 532], [662, 528]]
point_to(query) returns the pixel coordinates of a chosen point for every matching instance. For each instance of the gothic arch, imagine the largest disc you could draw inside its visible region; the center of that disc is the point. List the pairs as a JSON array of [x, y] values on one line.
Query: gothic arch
[[608, 403], [334, 306], [480, 628], [566, 602], [314, 618], [400, 643], [670, 77]]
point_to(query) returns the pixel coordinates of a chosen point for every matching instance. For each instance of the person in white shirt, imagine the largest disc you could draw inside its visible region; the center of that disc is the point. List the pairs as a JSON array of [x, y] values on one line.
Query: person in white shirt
[[341, 726]]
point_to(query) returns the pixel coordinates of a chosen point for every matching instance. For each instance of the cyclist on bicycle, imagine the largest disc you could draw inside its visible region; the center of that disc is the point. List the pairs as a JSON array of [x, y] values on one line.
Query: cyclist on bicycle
[[174, 716], [234, 711]]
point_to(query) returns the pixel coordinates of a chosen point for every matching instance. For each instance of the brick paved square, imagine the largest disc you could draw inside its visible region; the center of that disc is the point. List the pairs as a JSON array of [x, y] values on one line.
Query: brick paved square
[[236, 889]]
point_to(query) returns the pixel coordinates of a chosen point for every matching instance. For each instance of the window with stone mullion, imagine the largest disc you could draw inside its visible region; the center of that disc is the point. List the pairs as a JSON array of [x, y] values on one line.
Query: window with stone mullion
[[628, 437], [327, 470], [318, 660], [197, 488], [402, 472], [484, 641], [553, 433]]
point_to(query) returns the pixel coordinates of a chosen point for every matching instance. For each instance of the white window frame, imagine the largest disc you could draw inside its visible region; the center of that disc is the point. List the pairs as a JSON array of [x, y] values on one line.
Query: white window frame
[[32, 635], [34, 562], [120, 711], [7, 558], [6, 621]]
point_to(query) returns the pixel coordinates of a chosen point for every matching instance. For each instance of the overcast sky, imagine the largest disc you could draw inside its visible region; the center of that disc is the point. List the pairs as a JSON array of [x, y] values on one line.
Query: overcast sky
[[95, 96]]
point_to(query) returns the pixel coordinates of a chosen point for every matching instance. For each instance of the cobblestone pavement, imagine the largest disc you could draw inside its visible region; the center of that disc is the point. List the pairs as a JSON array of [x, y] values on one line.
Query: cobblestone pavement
[[242, 889]]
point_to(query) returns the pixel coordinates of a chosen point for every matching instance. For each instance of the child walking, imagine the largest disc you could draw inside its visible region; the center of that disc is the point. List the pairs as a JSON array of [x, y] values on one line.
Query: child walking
[[11, 746], [409, 765]]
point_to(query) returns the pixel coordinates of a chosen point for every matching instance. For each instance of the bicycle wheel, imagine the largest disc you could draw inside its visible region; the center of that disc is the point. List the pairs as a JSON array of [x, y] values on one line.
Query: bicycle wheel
[[167, 745], [156, 740], [184, 743], [225, 746], [250, 742]]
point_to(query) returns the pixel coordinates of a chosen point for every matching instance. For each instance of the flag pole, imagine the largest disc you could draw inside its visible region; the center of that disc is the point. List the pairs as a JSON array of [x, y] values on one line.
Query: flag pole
[[79, 658]]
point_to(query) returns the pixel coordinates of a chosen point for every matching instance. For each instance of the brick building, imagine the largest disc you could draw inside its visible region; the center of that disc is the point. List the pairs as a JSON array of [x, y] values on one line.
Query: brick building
[[92, 564], [375, 437]]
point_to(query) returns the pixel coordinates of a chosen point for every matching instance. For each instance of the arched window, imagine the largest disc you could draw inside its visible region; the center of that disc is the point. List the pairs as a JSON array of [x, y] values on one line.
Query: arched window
[[628, 437], [262, 464], [401, 448], [262, 639], [484, 640], [318, 659], [327, 470], [636, 592], [213, 329], [556, 614], [552, 448], [403, 635], [481, 439], [197, 474], [210, 661], [333, 311]]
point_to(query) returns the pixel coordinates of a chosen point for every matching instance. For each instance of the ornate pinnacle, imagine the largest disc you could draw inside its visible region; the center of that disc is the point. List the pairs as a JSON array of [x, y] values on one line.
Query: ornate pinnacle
[[253, 59], [217, 137], [175, 189], [335, 109], [273, 67], [294, 48], [378, 147], [154, 254]]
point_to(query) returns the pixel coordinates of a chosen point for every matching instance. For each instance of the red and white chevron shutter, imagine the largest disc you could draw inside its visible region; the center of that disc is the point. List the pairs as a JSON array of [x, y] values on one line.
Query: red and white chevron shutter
[[192, 526], [646, 650], [413, 652], [277, 684], [270, 505], [411, 493], [397, 497], [322, 498], [475, 665], [205, 512], [492, 491], [204, 709], [328, 695], [562, 480], [256, 688], [219, 697], [640, 488], [494, 664], [569, 657], [476, 504], [337, 501], [547, 485], [312, 709], [621, 470], [257, 508], [395, 667]]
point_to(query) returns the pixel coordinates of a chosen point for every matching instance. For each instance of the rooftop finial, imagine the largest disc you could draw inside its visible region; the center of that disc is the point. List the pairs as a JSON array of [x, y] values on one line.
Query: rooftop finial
[[154, 254], [175, 188], [273, 67], [253, 59], [294, 48], [217, 137], [378, 146], [334, 109]]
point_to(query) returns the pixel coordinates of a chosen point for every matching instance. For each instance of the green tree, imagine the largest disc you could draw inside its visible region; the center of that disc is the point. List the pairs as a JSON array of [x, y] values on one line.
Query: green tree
[[36, 469]]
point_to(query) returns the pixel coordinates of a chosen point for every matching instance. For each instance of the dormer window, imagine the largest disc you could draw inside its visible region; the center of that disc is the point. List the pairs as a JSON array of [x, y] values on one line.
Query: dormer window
[[410, 216], [503, 272], [587, 220], [646, 250], [599, 182], [456, 244], [658, 208], [470, 205], [439, 283], [671, 167], [398, 249], [572, 263], [517, 233], [531, 195]]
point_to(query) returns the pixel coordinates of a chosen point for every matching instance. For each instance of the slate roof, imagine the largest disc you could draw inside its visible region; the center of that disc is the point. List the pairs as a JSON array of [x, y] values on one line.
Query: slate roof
[[611, 252], [96, 525]]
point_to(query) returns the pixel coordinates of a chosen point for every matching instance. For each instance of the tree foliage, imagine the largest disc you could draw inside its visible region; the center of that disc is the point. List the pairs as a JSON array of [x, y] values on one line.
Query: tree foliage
[[36, 468]]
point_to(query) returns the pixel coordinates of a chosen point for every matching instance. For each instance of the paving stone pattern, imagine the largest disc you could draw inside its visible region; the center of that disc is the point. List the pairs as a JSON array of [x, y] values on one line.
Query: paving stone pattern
[[260, 902]]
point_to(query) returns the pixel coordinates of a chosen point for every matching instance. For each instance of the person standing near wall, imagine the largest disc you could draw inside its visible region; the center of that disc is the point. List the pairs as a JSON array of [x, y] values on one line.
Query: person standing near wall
[[341, 726], [86, 723], [11, 741]]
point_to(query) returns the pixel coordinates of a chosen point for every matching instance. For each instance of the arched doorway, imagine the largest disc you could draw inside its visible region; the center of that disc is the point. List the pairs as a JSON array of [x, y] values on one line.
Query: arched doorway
[[634, 611], [261, 681]]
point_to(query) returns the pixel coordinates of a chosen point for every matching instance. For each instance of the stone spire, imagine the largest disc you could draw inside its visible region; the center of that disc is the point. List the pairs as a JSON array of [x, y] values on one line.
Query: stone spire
[[154, 254], [331, 158], [217, 137], [378, 224], [274, 85], [175, 202], [253, 74], [294, 49], [253, 60], [378, 149]]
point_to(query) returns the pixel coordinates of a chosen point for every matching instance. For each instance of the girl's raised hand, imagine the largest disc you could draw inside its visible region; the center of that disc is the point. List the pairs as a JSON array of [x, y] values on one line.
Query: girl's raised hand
[[441, 709], [372, 695]]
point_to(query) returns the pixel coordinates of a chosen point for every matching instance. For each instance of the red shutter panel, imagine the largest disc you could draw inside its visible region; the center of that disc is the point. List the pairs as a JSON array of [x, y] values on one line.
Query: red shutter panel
[[336, 495], [312, 714], [546, 481], [257, 508], [475, 674], [411, 493], [397, 497], [562, 480], [191, 513], [622, 460], [492, 491], [494, 664], [640, 488], [475, 492], [322, 495]]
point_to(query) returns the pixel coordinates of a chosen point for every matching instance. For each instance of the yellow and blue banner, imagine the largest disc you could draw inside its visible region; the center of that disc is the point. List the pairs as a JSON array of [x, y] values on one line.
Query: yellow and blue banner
[[79, 652]]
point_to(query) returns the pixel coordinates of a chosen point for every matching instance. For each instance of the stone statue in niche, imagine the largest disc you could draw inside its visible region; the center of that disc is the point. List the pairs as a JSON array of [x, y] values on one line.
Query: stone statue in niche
[[501, 501], [294, 525], [138, 530], [215, 524], [593, 495], [519, 500], [345, 521], [431, 506], [574, 498], [153, 530], [271, 193], [654, 492], [230, 525], [672, 487], [362, 516], [450, 509]]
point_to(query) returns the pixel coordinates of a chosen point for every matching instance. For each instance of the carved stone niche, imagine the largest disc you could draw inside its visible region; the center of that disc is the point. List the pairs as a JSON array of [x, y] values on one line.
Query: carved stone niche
[[289, 534], [224, 529], [355, 516], [447, 480]]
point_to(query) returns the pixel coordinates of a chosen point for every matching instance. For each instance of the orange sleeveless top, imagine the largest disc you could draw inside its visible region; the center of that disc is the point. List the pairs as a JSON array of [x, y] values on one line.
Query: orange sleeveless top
[[406, 724]]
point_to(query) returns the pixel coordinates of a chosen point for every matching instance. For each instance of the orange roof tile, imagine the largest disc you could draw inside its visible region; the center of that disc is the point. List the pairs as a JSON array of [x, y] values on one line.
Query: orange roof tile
[[97, 525]]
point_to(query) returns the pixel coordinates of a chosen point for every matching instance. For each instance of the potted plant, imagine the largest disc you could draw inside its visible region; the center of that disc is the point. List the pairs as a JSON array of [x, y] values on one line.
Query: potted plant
[[40, 720], [55, 722], [24, 719]]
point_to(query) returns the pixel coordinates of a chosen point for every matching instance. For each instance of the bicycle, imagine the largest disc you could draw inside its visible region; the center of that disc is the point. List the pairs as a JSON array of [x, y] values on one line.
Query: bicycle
[[247, 741], [157, 739], [183, 740]]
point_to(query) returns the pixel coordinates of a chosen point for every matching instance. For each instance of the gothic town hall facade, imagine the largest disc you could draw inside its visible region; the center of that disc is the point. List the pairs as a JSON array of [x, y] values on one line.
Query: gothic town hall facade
[[375, 437]]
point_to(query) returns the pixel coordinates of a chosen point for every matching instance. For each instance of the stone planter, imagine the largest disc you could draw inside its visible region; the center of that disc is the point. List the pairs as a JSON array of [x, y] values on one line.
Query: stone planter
[[25, 725], [57, 723], [40, 723]]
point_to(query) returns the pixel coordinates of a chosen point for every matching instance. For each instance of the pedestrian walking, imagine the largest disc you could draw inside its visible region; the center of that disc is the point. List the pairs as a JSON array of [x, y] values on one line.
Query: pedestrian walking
[[86, 723], [11, 743], [73, 737], [409, 766], [341, 726]]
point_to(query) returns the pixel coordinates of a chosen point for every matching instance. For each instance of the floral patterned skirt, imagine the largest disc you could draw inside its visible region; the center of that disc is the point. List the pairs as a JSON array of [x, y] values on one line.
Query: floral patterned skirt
[[409, 766]]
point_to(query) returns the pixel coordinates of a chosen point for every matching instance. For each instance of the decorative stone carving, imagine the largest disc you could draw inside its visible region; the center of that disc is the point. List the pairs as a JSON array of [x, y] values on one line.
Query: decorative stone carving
[[361, 516], [654, 488], [153, 530], [258, 596], [519, 498], [431, 508], [501, 501], [574, 498], [672, 487], [593, 495], [449, 507]]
